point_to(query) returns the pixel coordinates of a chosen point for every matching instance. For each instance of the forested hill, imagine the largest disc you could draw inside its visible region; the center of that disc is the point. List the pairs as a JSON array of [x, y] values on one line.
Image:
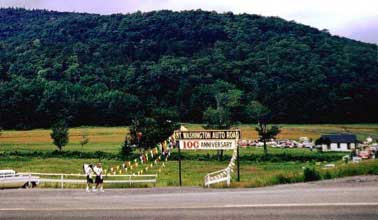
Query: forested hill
[[105, 70]]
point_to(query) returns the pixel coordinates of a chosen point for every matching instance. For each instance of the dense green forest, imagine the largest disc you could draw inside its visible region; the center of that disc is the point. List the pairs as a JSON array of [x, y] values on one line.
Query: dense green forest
[[105, 70]]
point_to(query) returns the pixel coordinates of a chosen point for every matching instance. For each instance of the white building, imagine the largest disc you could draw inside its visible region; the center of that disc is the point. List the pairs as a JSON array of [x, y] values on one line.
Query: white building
[[338, 142]]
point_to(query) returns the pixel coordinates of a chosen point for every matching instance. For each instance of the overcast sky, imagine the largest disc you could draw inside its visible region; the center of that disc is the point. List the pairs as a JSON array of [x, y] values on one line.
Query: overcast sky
[[357, 19]]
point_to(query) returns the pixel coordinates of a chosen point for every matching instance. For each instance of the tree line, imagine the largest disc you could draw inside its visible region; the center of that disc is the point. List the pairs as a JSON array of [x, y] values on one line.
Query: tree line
[[203, 66]]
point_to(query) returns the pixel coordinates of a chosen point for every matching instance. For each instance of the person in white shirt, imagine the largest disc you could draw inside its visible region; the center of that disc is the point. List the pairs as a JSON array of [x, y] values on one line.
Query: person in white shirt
[[88, 170], [99, 178]]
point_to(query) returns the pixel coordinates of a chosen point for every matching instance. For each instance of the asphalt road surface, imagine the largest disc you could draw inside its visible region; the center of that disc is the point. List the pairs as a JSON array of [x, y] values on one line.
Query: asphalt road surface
[[349, 198]]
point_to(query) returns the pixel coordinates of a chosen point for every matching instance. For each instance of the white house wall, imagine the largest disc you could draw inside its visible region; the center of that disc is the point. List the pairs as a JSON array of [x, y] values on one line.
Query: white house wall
[[343, 147], [334, 147]]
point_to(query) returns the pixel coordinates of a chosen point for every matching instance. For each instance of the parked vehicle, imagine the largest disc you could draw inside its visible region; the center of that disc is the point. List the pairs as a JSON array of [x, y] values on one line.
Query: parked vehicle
[[308, 144], [364, 154], [10, 179]]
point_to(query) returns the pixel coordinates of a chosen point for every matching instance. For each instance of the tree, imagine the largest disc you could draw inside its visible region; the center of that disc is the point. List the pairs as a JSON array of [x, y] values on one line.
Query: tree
[[127, 149], [1, 131], [217, 118], [226, 97], [112, 70], [84, 139], [147, 132], [255, 111], [60, 134], [266, 133]]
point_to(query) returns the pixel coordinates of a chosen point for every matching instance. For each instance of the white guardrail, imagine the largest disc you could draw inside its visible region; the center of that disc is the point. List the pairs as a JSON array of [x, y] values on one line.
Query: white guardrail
[[218, 177], [221, 175], [63, 178]]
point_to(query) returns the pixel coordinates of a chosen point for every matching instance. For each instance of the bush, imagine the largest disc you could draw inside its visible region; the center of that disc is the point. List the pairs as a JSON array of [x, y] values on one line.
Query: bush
[[281, 157], [282, 179], [310, 174], [327, 176], [126, 149]]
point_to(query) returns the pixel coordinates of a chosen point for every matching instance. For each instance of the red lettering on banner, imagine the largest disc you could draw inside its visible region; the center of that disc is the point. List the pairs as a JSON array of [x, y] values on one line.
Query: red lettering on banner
[[191, 144]]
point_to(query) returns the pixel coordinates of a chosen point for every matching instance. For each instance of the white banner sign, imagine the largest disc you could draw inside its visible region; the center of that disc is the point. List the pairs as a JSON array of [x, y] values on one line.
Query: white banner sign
[[207, 144], [208, 135]]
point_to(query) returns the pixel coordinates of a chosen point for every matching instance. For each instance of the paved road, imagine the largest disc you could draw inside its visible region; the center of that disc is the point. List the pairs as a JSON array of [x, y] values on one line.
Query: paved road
[[350, 198]]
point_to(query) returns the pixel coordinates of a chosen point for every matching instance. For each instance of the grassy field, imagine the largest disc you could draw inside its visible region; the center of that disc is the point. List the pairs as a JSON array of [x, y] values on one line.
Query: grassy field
[[253, 174], [284, 165], [109, 139]]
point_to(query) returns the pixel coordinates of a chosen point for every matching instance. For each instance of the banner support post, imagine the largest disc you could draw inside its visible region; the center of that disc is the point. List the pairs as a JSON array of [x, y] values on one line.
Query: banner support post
[[238, 163], [238, 158], [179, 160]]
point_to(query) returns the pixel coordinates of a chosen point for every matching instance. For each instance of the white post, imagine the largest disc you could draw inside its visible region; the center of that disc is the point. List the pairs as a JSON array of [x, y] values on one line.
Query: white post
[[130, 180], [61, 179], [228, 177]]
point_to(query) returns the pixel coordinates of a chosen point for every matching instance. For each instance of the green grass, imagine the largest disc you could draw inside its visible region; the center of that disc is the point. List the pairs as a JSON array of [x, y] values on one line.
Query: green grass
[[253, 174], [109, 139], [32, 151]]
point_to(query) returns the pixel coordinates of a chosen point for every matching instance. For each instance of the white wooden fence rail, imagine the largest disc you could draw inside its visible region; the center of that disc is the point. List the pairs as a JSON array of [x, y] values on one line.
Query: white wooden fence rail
[[222, 175], [130, 179]]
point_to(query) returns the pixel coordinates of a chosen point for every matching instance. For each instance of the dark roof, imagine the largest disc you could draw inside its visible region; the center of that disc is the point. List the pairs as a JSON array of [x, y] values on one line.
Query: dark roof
[[340, 138]]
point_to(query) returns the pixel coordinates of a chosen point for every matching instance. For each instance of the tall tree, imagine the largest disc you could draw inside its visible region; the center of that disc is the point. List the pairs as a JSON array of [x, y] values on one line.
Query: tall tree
[[60, 134], [255, 111], [226, 97], [265, 133], [147, 132]]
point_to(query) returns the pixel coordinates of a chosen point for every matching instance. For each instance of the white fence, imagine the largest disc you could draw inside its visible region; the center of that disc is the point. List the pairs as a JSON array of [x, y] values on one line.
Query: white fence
[[218, 177], [222, 175], [64, 178]]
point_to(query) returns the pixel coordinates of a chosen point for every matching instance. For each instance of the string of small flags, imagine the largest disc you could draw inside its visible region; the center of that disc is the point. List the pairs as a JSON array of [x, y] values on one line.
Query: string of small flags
[[131, 166], [156, 161]]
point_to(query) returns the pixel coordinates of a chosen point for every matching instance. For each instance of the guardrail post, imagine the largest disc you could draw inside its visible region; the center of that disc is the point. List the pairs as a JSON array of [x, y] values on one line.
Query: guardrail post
[[130, 180], [62, 182], [228, 177], [29, 183]]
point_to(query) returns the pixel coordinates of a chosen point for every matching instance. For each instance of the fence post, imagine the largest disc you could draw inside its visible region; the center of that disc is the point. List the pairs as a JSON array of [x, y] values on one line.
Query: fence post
[[29, 183], [61, 179], [228, 177]]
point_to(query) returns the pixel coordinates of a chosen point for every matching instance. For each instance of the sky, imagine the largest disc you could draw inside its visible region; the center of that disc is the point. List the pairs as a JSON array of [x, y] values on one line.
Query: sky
[[349, 18]]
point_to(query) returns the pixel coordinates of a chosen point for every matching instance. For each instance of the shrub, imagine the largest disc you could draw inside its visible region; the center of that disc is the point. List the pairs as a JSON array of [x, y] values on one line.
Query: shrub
[[282, 179], [327, 175], [126, 149], [310, 174]]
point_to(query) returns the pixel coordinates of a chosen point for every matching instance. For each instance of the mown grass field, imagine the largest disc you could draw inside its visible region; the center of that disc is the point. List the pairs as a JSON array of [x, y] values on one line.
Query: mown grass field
[[109, 139], [254, 170]]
